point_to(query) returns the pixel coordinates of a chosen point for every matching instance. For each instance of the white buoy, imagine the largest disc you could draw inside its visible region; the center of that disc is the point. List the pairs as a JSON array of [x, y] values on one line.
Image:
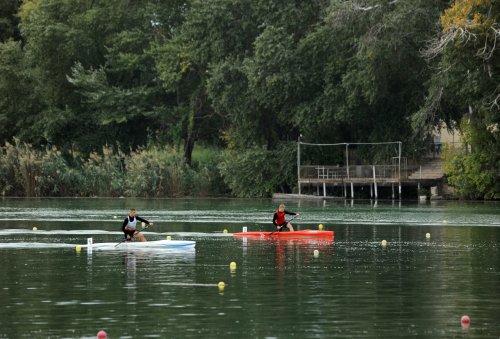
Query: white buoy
[[115, 217], [445, 221], [427, 235], [384, 243], [316, 253], [245, 229]]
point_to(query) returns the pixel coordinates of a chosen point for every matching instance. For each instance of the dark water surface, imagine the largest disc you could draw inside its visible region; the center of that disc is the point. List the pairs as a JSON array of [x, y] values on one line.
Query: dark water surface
[[413, 287]]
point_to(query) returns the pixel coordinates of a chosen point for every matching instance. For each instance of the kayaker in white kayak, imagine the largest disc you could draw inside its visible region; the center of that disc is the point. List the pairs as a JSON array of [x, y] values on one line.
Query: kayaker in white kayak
[[279, 219], [129, 226]]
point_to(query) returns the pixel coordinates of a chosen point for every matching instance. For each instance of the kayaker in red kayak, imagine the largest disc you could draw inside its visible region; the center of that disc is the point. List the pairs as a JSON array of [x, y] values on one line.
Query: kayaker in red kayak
[[279, 219]]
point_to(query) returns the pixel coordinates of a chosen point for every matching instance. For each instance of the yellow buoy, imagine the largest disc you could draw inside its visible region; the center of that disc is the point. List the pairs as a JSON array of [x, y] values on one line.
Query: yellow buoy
[[169, 237], [316, 253], [428, 235], [35, 229], [320, 227], [384, 243], [221, 285], [114, 217], [445, 221], [78, 248], [232, 265], [225, 231]]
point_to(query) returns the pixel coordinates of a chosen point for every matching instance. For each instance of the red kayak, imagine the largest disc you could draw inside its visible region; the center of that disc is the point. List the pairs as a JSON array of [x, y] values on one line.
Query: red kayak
[[302, 234]]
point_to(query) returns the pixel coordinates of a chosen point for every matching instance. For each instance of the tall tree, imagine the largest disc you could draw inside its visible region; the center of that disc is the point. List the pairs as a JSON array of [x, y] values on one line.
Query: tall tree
[[465, 93]]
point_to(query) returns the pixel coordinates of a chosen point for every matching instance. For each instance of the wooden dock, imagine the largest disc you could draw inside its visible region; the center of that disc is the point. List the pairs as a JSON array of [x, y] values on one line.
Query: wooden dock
[[370, 176]]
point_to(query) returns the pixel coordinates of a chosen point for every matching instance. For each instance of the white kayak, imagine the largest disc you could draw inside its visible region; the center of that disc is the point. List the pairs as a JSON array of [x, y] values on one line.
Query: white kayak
[[157, 244]]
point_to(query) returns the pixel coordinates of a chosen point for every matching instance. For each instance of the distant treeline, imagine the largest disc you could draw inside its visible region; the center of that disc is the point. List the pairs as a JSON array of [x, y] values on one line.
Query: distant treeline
[[244, 77]]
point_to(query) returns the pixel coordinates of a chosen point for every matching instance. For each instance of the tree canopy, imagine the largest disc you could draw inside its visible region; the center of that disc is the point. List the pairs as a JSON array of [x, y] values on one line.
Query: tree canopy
[[248, 76]]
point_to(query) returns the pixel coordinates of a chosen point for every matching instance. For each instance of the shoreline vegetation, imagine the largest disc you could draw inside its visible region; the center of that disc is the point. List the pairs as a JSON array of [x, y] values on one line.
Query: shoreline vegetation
[[148, 172], [199, 98]]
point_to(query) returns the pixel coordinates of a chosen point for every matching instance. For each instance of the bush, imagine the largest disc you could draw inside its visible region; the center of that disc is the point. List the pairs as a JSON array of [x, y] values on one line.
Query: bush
[[205, 178], [257, 172], [10, 182], [103, 173], [476, 175], [155, 172]]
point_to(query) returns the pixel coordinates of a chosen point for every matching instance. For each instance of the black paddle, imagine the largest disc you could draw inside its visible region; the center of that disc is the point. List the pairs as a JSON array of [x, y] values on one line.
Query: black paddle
[[283, 225], [136, 232]]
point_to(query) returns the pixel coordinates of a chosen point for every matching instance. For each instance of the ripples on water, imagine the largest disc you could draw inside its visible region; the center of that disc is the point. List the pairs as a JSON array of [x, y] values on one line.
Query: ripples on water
[[355, 288]]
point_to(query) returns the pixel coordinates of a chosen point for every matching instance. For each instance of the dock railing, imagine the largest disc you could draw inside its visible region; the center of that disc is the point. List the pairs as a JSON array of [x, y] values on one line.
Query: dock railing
[[356, 172]]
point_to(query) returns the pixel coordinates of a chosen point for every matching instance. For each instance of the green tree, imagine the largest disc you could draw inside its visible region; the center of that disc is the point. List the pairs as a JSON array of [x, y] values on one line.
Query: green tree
[[17, 100], [465, 93], [9, 22], [95, 70]]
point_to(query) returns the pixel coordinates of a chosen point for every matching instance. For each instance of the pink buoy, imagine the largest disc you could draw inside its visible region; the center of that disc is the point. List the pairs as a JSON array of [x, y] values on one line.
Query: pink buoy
[[465, 321], [102, 334]]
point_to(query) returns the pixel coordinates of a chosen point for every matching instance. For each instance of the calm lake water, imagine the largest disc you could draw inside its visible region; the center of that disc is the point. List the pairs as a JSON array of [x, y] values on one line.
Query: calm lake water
[[413, 287]]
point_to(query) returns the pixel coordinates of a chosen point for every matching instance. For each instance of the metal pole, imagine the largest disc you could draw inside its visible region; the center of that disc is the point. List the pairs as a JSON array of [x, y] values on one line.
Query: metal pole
[[399, 168], [298, 163], [375, 183], [347, 159], [399, 162]]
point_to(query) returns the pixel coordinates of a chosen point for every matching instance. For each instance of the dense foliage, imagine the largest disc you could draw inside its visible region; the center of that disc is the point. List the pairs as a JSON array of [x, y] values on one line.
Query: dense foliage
[[241, 78]]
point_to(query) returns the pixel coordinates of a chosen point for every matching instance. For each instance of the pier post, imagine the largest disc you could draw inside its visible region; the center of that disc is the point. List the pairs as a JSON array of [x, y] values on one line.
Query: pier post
[[375, 182], [324, 189], [352, 190], [298, 161], [392, 185]]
